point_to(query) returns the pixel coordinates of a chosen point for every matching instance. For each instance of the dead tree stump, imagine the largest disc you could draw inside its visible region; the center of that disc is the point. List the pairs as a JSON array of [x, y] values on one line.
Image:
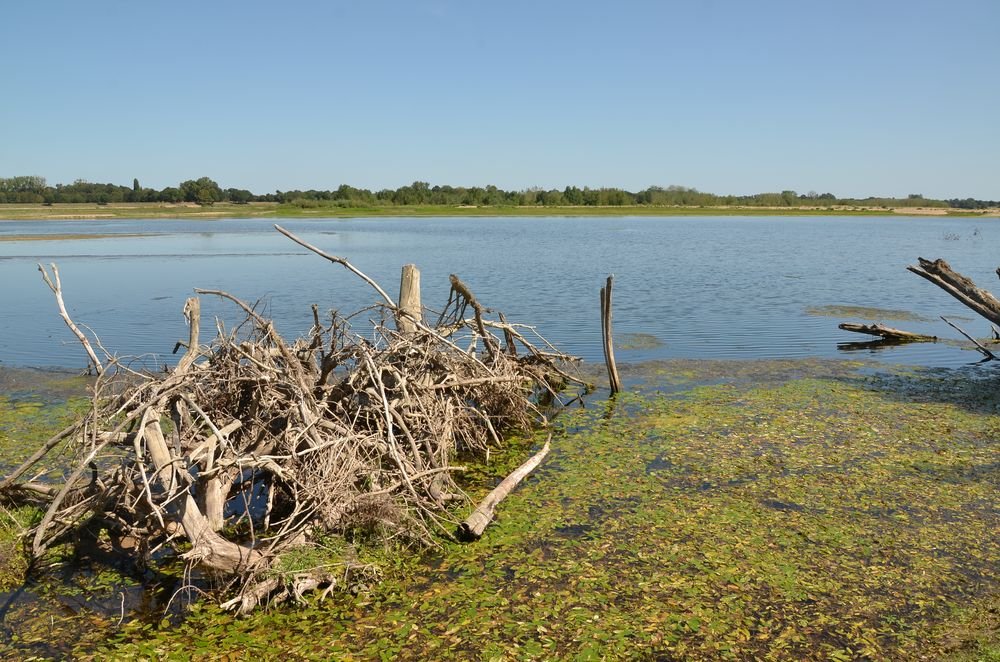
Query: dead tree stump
[[410, 311]]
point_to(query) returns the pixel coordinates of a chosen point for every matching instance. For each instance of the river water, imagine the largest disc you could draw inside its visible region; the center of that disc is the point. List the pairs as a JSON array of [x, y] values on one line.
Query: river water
[[685, 287]]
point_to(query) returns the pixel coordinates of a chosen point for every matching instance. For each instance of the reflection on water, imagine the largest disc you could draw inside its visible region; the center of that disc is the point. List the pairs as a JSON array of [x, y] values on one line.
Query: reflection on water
[[704, 287]]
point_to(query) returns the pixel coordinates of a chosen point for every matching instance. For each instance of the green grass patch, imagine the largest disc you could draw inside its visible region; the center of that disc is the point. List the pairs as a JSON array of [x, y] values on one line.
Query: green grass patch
[[331, 210]]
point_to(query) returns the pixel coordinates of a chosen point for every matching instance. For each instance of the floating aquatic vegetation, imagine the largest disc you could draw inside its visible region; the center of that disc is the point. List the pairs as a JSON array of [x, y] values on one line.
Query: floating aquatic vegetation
[[825, 514], [628, 341], [866, 313]]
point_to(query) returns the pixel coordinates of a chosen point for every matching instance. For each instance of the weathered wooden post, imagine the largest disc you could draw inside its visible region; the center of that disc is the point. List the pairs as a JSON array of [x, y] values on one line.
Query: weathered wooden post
[[609, 349], [409, 299]]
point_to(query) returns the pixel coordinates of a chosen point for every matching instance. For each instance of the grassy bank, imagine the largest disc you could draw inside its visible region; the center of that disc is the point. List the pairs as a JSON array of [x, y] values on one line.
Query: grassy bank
[[275, 210], [722, 510]]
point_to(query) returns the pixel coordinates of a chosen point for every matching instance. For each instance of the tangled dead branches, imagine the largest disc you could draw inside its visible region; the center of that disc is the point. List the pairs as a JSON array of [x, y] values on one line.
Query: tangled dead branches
[[254, 446]]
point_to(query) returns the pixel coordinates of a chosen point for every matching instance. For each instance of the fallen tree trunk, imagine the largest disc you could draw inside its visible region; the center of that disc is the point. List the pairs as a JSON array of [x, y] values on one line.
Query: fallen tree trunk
[[886, 332], [472, 528], [941, 274]]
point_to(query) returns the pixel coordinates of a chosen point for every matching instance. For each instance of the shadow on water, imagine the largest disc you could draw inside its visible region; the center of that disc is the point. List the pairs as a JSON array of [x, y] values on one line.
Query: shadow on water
[[9, 600], [53, 609], [871, 346]]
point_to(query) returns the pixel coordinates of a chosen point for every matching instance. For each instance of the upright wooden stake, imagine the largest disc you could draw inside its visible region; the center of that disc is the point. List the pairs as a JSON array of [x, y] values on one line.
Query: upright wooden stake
[[609, 349], [409, 299]]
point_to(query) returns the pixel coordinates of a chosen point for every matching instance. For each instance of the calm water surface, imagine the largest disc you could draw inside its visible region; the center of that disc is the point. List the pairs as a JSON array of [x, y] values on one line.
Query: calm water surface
[[723, 287]]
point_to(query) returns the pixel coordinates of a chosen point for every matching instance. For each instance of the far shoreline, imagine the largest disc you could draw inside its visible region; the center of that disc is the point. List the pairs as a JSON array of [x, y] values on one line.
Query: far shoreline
[[190, 211]]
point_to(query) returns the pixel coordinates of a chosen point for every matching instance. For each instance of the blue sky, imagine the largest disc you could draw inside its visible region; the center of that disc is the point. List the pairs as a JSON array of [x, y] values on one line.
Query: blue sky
[[873, 97]]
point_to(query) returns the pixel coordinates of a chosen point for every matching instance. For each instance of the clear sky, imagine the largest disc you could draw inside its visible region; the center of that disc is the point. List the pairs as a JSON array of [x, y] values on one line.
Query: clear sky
[[854, 97]]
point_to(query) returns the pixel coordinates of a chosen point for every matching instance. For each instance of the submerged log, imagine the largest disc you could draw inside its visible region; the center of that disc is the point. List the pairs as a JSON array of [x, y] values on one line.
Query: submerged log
[[886, 332], [472, 528], [941, 274]]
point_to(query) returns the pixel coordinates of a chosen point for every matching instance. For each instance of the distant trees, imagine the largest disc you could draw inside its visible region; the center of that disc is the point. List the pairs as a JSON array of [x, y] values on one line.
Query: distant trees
[[205, 191], [171, 194], [971, 203], [572, 195], [417, 193], [27, 188], [22, 184], [240, 196]]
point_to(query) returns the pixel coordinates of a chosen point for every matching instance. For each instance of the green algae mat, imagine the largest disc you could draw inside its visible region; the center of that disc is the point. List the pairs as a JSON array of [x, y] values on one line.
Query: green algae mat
[[789, 510]]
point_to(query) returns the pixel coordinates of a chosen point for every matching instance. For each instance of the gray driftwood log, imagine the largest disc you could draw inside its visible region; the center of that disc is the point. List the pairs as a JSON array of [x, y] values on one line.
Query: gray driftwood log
[[886, 332], [941, 274], [472, 528]]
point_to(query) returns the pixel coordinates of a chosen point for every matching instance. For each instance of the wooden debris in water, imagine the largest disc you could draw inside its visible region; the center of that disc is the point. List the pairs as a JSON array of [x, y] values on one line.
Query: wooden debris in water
[[609, 347], [962, 288], [985, 352], [886, 332], [474, 525], [254, 446]]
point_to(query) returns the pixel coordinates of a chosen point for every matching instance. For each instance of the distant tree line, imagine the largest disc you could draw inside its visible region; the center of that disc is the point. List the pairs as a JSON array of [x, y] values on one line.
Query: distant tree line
[[205, 191], [971, 203]]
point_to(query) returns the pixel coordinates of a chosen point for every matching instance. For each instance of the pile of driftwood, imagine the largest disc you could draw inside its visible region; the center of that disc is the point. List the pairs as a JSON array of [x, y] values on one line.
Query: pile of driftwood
[[962, 288], [254, 446]]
